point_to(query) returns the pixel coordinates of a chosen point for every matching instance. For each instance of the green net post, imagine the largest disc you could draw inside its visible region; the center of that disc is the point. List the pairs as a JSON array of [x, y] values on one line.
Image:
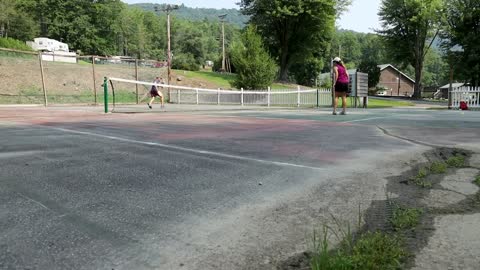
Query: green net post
[[105, 94]]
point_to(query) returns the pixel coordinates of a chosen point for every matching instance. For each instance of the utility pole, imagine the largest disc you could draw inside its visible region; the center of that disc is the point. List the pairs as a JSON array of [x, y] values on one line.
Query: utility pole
[[222, 19], [168, 9]]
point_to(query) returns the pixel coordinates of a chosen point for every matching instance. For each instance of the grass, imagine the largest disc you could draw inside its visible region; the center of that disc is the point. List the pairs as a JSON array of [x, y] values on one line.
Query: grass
[[457, 161], [477, 181], [420, 180], [380, 103], [438, 167], [405, 218], [222, 80], [372, 250]]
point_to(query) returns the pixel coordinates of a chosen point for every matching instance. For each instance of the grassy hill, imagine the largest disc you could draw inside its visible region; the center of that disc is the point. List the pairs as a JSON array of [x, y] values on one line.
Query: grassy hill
[[198, 14]]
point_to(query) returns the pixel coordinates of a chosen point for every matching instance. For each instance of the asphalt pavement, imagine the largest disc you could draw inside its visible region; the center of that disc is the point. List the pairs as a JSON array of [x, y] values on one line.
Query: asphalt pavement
[[196, 188]]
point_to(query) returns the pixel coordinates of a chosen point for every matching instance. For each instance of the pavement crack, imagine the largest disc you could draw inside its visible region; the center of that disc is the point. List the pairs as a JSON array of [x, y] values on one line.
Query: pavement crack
[[386, 132]]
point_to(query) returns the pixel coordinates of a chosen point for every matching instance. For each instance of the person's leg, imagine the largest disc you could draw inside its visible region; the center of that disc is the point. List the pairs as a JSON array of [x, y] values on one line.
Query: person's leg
[[161, 101], [151, 101], [344, 102], [335, 103]]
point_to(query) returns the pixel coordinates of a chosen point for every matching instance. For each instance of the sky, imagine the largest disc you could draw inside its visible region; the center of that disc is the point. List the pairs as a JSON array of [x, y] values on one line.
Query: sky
[[361, 16]]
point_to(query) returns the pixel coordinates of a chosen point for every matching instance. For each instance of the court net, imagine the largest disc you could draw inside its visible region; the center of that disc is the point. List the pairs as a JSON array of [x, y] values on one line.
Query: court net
[[176, 94]]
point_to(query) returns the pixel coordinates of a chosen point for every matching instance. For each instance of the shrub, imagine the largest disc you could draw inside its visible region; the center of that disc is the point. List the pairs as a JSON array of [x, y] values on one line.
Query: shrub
[[11, 43], [255, 68], [185, 62]]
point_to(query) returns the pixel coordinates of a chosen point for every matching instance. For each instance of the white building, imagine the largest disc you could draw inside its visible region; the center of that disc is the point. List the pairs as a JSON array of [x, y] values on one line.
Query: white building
[[53, 50]]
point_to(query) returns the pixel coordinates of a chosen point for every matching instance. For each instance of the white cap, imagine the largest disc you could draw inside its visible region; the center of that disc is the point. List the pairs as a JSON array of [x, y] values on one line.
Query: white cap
[[337, 59]]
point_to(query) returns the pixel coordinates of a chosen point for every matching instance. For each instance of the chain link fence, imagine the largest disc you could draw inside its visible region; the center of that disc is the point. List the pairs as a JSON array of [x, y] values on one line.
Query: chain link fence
[[52, 78]]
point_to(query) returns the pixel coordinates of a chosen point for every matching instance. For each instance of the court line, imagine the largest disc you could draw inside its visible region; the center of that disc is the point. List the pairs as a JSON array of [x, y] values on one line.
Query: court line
[[185, 149], [365, 119]]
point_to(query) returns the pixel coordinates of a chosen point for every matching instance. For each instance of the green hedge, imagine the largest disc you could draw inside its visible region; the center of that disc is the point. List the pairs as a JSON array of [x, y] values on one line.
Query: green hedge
[[11, 43]]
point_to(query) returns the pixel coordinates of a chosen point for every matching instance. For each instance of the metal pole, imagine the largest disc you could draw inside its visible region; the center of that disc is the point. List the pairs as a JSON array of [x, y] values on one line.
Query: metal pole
[[269, 97], [450, 87], [105, 94], [169, 54], [136, 78], [94, 81], [318, 101], [399, 79], [223, 46], [43, 79]]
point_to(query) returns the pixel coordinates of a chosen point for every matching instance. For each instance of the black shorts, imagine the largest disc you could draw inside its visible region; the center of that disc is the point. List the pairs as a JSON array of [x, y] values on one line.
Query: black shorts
[[341, 87]]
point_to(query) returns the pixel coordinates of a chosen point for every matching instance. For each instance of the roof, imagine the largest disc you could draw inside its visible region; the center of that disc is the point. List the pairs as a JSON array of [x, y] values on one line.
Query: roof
[[454, 85], [383, 67]]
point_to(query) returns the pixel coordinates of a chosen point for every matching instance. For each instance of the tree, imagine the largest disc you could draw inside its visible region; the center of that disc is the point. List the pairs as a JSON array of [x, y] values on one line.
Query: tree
[[463, 29], [255, 68], [370, 67], [293, 30], [407, 27]]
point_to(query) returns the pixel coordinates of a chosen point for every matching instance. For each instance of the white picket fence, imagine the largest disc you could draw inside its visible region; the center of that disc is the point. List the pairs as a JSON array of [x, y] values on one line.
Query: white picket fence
[[296, 97], [471, 95]]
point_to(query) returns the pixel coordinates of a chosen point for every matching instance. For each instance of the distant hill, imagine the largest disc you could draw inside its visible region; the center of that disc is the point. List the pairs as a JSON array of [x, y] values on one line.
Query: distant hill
[[234, 16]]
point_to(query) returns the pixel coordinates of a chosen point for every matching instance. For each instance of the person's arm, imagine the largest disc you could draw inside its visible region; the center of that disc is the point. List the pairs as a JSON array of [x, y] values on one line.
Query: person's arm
[[335, 77]]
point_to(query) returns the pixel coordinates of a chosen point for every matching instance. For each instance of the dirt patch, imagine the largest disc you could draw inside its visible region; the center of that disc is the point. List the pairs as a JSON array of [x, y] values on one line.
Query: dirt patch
[[401, 191]]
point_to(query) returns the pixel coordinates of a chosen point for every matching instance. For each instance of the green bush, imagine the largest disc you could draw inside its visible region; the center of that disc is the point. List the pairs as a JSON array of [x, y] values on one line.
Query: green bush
[[255, 68], [185, 62], [11, 43]]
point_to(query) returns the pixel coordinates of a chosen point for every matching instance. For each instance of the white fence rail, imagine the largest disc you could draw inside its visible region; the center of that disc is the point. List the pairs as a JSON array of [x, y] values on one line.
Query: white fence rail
[[471, 95], [296, 97]]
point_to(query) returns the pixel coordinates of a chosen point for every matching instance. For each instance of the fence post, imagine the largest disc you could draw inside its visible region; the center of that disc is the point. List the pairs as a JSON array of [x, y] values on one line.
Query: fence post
[[196, 90], [94, 81], [268, 96], [298, 96], [178, 96], [318, 97], [136, 78], [45, 101], [241, 96], [105, 94], [218, 96]]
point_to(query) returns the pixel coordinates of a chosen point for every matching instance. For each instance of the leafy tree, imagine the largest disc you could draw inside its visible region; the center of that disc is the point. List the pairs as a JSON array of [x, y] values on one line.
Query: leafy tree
[[407, 27], [294, 30], [370, 67], [255, 68], [463, 29]]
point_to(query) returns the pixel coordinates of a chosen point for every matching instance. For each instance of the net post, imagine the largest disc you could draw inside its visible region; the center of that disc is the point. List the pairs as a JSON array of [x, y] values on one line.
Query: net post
[[178, 96], [218, 96], [268, 96], [196, 92], [241, 96], [298, 96], [105, 94]]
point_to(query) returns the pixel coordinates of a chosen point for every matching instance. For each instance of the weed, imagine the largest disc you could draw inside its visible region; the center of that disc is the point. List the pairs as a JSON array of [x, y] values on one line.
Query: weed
[[419, 179], [477, 181], [457, 161], [377, 250], [405, 218], [438, 167]]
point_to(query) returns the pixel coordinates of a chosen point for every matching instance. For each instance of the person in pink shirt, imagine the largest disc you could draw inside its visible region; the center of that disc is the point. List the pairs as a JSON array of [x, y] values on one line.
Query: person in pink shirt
[[340, 85]]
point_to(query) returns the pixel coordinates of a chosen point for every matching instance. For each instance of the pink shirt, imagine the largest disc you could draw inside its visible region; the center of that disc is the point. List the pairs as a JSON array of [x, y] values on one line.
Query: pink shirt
[[342, 74]]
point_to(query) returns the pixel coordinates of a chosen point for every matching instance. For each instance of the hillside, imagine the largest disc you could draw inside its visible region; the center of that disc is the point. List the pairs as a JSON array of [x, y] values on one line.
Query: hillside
[[198, 14]]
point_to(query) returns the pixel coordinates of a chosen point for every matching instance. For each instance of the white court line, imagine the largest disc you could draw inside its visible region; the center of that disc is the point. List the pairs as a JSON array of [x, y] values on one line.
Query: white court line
[[365, 119], [185, 149]]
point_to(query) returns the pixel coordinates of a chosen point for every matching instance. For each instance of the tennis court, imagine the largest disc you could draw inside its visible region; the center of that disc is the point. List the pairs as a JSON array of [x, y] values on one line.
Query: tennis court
[[196, 187]]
